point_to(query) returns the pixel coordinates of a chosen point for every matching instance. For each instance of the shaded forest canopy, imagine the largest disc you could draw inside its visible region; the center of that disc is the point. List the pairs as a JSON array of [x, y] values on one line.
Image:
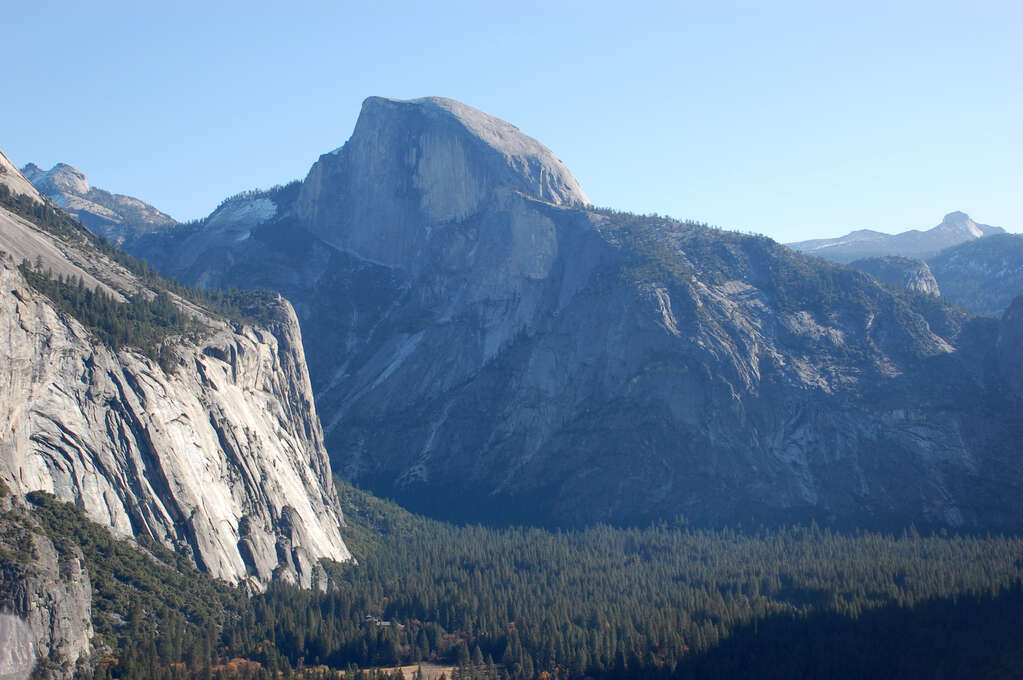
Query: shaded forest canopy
[[660, 602]]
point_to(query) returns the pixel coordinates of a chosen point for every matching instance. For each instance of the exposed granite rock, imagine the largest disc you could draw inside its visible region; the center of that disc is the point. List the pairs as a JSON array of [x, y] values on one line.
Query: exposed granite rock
[[485, 349], [414, 169], [45, 600], [114, 216], [905, 272], [221, 457]]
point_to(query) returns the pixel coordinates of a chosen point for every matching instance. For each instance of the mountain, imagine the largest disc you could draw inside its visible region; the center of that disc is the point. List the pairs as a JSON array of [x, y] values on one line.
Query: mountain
[[113, 216], [905, 272], [983, 276], [161, 414], [955, 228], [485, 346]]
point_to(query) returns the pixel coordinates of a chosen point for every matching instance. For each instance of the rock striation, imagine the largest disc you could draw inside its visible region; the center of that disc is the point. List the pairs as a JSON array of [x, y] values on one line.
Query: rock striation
[[412, 168], [217, 452]]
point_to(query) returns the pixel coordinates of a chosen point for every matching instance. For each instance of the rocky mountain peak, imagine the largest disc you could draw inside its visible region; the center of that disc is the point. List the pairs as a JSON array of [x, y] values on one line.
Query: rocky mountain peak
[[413, 166], [960, 222], [114, 216], [534, 169], [61, 177]]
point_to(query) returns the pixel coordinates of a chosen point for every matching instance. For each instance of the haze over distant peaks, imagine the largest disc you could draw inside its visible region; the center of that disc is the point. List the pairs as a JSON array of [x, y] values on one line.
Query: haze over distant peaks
[[114, 216], [955, 228]]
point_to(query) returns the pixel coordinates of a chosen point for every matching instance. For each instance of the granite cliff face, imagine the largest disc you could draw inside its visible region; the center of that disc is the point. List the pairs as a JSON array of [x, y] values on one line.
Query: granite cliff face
[[904, 272], [217, 453], [114, 216], [485, 346]]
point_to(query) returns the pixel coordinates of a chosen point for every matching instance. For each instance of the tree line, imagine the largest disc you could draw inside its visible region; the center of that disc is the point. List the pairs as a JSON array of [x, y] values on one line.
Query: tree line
[[658, 602]]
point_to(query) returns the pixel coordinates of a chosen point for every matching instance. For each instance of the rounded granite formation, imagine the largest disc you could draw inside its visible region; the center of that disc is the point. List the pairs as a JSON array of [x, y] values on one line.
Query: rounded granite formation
[[412, 168], [905, 272]]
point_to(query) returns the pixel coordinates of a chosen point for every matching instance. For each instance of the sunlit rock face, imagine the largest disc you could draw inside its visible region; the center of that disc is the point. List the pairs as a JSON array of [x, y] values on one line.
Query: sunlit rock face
[[484, 345], [413, 170], [217, 452]]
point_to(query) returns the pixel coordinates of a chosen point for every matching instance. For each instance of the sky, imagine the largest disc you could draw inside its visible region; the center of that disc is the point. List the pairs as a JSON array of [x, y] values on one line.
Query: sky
[[792, 119]]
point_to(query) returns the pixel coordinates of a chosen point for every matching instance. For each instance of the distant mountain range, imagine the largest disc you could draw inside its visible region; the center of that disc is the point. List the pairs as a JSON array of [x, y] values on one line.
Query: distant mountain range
[[975, 266], [955, 228], [113, 216]]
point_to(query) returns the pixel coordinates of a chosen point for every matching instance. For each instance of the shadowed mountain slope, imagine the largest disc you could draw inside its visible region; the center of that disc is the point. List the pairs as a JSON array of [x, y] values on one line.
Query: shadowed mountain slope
[[486, 346]]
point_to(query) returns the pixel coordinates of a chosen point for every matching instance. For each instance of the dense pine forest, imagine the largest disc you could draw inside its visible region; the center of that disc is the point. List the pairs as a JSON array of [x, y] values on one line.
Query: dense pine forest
[[667, 601]]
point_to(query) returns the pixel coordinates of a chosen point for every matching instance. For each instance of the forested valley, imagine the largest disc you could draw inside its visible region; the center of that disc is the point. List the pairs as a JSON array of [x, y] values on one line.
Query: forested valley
[[666, 601]]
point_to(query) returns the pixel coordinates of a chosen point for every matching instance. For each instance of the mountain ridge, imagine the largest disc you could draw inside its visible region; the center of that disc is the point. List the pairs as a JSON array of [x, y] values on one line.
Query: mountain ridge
[[955, 228], [473, 342], [114, 216]]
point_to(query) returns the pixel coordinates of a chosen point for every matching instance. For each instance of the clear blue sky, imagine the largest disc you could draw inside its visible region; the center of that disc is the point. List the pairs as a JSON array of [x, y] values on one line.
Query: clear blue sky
[[795, 120]]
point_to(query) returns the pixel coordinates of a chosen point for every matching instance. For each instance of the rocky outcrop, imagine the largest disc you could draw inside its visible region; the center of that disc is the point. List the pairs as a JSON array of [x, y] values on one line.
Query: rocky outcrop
[[113, 216], [487, 348], [955, 228], [219, 454], [45, 600], [904, 272]]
